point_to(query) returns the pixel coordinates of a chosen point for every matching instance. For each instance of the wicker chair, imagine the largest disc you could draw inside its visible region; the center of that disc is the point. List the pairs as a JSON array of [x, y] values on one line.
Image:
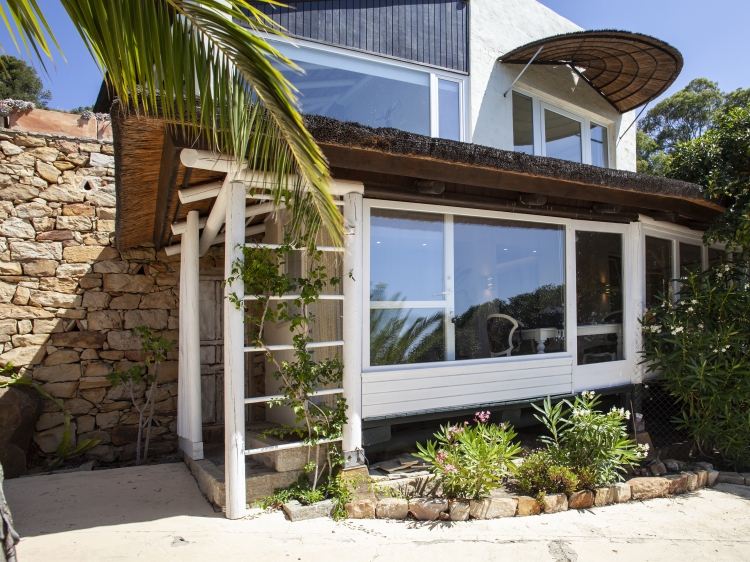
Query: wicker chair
[[501, 330]]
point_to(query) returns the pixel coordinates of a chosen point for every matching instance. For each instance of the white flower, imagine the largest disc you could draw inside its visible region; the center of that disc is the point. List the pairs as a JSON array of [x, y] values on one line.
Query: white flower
[[716, 351], [720, 275], [627, 414], [700, 326], [726, 267], [677, 330], [690, 309], [694, 301]]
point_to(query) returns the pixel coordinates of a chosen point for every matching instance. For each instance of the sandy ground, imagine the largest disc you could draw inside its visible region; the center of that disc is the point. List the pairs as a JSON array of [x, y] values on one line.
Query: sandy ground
[[157, 513]]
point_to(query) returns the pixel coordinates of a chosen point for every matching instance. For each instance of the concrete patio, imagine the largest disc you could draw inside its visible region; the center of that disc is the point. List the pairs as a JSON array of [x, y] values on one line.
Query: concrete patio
[[158, 513]]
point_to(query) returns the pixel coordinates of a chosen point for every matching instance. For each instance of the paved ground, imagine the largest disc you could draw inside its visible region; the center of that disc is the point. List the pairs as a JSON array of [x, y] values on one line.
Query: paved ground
[[157, 513]]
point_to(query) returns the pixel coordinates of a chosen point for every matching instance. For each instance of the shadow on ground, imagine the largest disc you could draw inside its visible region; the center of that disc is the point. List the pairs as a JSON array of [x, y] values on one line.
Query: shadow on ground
[[57, 503]]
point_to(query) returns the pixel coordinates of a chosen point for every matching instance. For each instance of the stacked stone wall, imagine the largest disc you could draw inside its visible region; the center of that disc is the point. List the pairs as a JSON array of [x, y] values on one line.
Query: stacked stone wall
[[68, 298]]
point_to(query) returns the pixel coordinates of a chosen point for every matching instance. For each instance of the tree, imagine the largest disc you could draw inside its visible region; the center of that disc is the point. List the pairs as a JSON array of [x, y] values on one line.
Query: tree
[[161, 56], [720, 162], [19, 81], [738, 98]]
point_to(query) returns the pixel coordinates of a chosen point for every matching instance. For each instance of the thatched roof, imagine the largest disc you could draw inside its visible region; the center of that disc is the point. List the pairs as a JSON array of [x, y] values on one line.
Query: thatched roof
[[627, 69], [149, 175]]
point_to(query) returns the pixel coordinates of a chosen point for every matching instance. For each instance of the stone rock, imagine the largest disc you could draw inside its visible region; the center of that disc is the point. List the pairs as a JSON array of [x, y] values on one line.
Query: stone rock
[[604, 496], [392, 508], [104, 319], [159, 299], [50, 439], [19, 192], [122, 435], [673, 465], [102, 436], [33, 210], [23, 356], [101, 160], [47, 171], [19, 410], [81, 224], [45, 154], [102, 453], [528, 506], [63, 193], [427, 509], [360, 509], [295, 511], [125, 302], [168, 372], [111, 266], [459, 510], [78, 406], [96, 299], [102, 197], [23, 140], [95, 395], [29, 339], [105, 225], [40, 268], [85, 424], [61, 389], [8, 327], [89, 339], [49, 420], [702, 478], [702, 465], [22, 312], [16, 228], [73, 270], [155, 319], [692, 484], [58, 373], [21, 296], [44, 224], [10, 149], [112, 406], [678, 483], [107, 419], [123, 340], [106, 214], [20, 250], [554, 503], [730, 478], [7, 291], [493, 508], [93, 382], [139, 254], [78, 210], [648, 488], [657, 468], [53, 299], [123, 283], [58, 284], [97, 369], [44, 326], [712, 477], [10, 268], [90, 282], [84, 254], [583, 499]]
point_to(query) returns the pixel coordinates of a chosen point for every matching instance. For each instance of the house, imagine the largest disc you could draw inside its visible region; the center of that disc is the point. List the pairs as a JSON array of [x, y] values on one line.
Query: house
[[483, 155]]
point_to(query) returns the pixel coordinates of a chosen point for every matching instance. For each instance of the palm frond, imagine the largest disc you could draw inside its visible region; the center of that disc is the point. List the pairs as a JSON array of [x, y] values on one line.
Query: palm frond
[[24, 19]]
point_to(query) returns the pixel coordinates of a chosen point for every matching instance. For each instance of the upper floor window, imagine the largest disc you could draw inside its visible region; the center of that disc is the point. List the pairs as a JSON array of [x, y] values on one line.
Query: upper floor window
[[546, 130], [376, 92]]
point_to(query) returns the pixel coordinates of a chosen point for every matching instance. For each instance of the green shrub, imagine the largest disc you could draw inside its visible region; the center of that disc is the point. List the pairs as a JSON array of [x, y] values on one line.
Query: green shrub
[[470, 461], [699, 345], [595, 446], [540, 475]]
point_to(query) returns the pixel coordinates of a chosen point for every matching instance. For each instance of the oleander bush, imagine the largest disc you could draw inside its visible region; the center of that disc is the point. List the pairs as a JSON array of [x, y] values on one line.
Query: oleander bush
[[699, 346], [540, 475], [471, 460]]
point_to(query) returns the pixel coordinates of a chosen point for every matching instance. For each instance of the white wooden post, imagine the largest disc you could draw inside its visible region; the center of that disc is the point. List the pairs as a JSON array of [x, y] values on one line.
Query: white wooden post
[[234, 358], [352, 356], [189, 419]]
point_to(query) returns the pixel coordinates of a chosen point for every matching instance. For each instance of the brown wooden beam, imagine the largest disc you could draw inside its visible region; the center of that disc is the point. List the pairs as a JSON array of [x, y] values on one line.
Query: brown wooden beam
[[170, 164]]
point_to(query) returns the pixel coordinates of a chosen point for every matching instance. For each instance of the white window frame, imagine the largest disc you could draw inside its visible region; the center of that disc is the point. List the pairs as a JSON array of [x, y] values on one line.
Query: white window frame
[[540, 102], [433, 72]]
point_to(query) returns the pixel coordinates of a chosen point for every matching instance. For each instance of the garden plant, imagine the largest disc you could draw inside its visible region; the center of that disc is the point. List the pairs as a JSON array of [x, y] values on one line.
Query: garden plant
[[699, 346]]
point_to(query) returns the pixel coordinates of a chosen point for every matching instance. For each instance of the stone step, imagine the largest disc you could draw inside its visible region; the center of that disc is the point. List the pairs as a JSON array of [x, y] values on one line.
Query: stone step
[[285, 460]]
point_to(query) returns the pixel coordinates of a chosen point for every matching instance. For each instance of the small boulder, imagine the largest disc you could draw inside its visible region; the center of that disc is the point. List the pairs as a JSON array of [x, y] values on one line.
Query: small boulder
[[459, 510], [528, 506], [673, 465], [621, 492], [427, 509], [678, 483], [703, 478], [712, 476], [692, 484], [657, 468], [493, 508], [360, 509], [730, 478], [648, 488], [603, 496], [582, 499], [298, 512], [554, 503], [392, 508]]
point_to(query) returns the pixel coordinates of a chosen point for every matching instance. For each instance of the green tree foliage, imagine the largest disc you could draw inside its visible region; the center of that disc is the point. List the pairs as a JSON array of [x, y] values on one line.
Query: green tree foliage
[[19, 81], [699, 344], [720, 162]]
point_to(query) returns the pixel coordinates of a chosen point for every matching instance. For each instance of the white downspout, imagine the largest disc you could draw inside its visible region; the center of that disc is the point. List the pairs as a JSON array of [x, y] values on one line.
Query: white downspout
[[234, 356], [189, 418], [352, 326]]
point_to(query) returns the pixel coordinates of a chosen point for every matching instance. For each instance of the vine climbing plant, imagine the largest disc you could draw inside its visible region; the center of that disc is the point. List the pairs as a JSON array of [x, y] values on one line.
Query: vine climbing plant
[[267, 279]]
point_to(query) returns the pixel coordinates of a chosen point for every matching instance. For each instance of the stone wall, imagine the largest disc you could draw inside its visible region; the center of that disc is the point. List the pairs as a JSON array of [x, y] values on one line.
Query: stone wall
[[68, 298]]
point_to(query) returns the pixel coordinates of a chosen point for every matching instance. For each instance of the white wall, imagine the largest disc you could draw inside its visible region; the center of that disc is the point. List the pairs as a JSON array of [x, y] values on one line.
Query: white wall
[[499, 26]]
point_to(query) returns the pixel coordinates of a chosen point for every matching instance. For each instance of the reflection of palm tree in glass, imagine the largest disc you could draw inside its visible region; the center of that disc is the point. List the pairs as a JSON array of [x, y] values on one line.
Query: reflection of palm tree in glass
[[399, 336]]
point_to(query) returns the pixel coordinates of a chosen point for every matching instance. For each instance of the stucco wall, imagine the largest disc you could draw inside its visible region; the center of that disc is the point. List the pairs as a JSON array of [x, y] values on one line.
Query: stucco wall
[[499, 26]]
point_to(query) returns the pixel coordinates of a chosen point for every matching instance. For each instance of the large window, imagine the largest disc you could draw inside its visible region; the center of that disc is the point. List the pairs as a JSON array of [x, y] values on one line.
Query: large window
[[373, 91], [546, 130], [450, 287]]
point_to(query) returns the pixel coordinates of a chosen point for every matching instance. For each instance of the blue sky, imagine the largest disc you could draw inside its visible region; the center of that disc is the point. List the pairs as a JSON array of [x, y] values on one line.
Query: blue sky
[[712, 36]]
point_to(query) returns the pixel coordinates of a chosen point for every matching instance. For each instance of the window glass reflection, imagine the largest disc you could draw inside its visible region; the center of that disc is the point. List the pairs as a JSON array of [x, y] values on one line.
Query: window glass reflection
[[599, 146], [509, 287], [691, 258], [403, 335], [599, 296], [562, 137], [449, 122], [406, 256], [716, 256], [658, 269], [523, 124]]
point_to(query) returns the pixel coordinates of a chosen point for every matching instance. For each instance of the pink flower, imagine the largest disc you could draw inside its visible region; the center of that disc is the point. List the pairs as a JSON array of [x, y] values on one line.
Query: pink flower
[[440, 457], [482, 417], [450, 468]]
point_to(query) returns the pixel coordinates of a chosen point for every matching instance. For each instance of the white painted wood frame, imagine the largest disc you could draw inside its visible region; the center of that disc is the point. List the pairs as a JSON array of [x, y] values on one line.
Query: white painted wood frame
[[189, 426], [234, 356]]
